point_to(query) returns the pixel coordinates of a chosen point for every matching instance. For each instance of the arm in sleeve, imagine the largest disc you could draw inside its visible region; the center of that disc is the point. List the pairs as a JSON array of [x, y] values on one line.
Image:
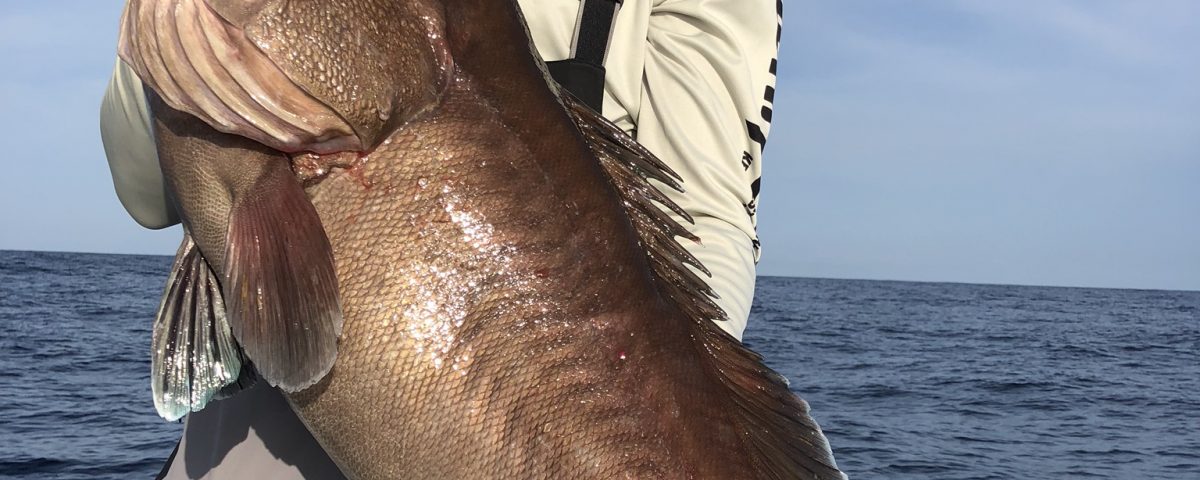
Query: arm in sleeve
[[707, 80], [132, 155]]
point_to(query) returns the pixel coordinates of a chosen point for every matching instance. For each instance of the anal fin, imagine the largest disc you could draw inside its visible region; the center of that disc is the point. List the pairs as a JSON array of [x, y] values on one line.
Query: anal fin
[[194, 353], [280, 282]]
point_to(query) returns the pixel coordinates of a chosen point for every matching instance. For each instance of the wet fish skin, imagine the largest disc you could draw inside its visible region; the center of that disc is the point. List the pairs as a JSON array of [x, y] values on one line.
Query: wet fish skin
[[478, 324]]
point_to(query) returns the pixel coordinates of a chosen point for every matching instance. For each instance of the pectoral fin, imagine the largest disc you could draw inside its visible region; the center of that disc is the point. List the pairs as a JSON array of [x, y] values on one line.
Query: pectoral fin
[[194, 355], [280, 283]]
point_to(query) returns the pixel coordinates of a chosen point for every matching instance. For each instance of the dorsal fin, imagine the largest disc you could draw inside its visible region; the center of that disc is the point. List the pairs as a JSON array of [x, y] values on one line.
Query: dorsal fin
[[785, 441]]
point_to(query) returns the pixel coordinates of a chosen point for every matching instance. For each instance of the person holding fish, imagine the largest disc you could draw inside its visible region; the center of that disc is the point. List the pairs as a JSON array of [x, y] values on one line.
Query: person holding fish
[[691, 80]]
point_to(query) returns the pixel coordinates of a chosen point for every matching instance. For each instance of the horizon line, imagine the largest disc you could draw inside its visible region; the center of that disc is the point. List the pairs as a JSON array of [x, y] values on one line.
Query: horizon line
[[853, 279]]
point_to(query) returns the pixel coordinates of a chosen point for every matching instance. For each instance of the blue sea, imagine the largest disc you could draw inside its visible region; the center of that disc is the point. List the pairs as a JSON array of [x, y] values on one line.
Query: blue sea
[[909, 380]]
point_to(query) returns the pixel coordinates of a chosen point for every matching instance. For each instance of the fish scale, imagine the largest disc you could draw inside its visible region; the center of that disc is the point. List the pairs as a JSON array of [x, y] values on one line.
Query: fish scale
[[508, 333]]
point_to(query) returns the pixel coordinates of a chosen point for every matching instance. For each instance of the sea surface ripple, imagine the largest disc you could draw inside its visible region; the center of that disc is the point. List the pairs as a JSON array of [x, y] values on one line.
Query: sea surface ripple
[[959, 381], [909, 380]]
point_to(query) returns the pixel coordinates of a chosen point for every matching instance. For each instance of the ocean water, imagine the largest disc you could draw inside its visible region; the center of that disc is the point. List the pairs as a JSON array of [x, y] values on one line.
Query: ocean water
[[909, 380]]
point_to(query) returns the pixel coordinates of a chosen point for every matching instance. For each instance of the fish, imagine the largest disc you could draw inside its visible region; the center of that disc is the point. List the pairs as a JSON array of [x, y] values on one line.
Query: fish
[[451, 267]]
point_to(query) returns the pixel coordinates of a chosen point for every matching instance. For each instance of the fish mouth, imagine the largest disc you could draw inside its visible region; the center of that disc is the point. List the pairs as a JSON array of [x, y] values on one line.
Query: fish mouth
[[313, 168]]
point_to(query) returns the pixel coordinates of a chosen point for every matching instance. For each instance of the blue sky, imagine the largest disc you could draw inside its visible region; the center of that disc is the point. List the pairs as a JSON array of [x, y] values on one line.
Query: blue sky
[[1024, 141]]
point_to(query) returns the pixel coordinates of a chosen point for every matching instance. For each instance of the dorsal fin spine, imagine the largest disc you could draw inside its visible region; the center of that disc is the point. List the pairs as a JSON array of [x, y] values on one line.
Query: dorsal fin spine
[[782, 439]]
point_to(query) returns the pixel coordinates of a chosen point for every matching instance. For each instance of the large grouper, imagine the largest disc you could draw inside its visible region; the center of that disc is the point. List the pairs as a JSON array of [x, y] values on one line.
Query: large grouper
[[451, 268]]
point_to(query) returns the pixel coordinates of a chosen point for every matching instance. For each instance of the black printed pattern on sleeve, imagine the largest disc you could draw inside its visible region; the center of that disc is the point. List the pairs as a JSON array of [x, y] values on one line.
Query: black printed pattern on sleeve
[[754, 128]]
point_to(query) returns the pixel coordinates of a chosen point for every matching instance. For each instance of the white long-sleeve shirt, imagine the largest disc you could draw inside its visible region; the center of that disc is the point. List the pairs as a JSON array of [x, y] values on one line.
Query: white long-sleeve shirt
[[692, 80]]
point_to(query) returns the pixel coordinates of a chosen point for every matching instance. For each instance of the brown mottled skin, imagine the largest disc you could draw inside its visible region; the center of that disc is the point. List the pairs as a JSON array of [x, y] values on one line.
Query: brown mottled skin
[[532, 384], [501, 319]]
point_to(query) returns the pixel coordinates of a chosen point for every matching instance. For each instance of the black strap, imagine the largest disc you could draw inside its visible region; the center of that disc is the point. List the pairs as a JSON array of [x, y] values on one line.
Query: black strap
[[596, 18], [583, 73]]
